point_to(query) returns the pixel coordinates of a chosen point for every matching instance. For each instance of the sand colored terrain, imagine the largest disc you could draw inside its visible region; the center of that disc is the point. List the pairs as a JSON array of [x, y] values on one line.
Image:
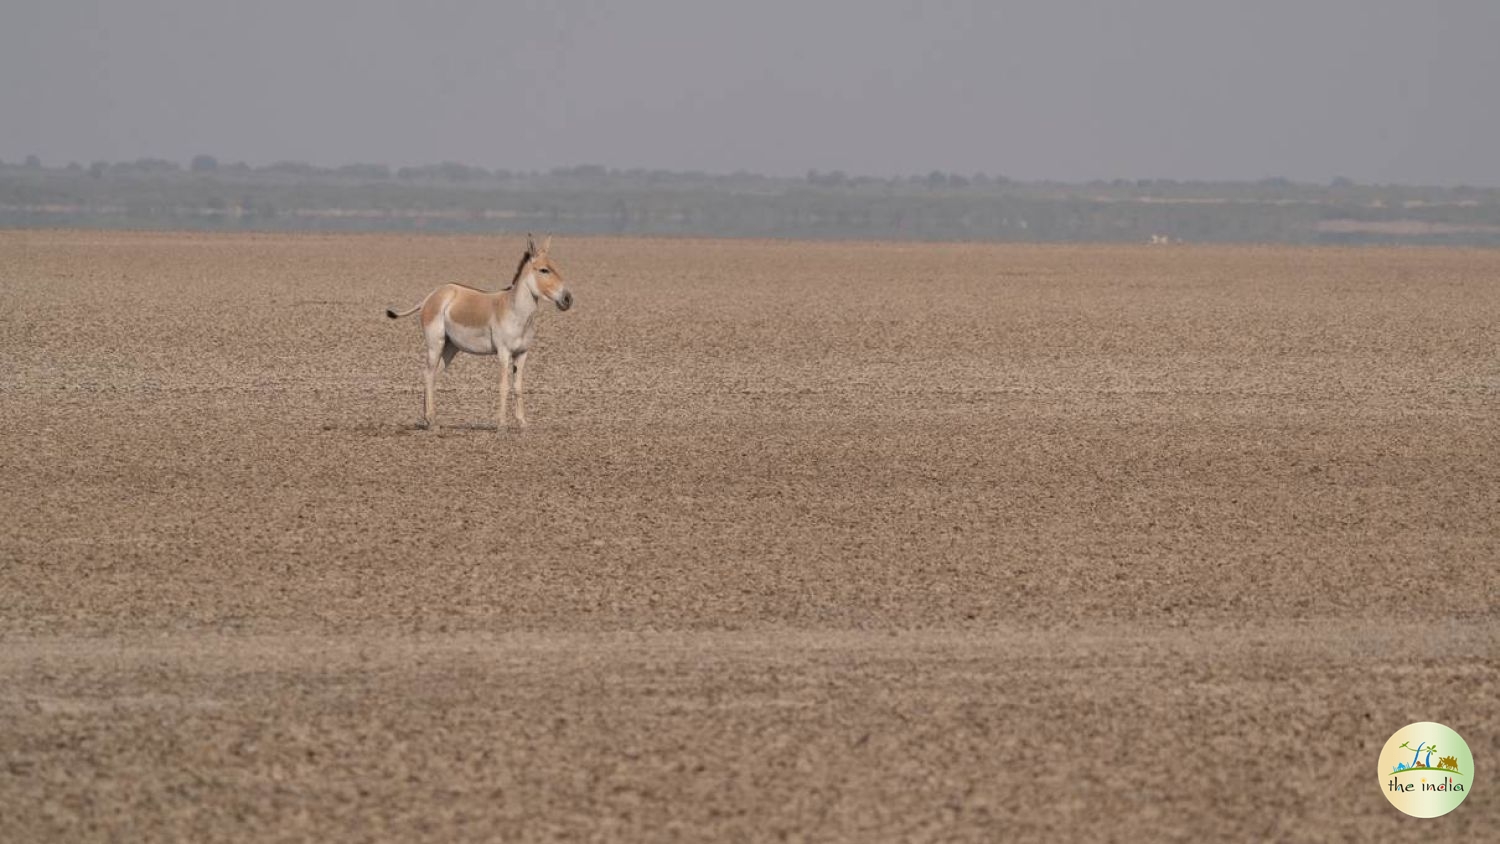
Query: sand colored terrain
[[806, 542]]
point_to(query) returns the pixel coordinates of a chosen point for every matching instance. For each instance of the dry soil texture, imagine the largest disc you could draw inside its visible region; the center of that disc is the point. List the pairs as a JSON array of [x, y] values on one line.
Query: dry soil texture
[[806, 541]]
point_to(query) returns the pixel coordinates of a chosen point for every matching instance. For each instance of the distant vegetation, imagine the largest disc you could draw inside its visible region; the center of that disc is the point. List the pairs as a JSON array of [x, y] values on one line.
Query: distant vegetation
[[211, 195]]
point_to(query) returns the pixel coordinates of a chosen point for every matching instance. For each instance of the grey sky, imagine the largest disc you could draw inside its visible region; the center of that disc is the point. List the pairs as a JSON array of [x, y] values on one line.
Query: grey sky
[[1374, 90]]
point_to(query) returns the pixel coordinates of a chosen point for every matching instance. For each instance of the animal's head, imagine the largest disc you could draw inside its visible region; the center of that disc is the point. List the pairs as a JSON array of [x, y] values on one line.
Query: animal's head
[[538, 271]]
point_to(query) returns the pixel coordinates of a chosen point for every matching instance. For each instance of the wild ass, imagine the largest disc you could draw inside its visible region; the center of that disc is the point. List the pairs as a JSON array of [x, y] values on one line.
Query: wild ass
[[457, 318]]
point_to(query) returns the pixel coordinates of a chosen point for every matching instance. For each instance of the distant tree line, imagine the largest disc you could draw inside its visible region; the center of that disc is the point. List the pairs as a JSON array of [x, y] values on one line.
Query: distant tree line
[[210, 194]]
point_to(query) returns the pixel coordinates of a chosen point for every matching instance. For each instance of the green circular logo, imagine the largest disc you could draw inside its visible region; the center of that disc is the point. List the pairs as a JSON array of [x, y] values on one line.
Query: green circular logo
[[1426, 770]]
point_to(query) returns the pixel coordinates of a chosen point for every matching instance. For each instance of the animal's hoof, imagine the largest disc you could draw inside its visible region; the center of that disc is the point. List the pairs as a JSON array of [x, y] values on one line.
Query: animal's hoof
[[424, 424]]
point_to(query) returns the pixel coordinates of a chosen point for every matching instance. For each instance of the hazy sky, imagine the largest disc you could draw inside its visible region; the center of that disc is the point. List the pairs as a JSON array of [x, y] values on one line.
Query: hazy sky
[[1375, 90]]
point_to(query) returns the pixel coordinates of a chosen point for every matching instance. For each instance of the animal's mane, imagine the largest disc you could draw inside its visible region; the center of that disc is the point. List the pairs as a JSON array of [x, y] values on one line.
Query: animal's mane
[[525, 256]]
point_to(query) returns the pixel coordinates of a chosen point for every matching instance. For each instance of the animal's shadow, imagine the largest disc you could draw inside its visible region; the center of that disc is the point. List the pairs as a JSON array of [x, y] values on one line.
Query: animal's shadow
[[417, 428]]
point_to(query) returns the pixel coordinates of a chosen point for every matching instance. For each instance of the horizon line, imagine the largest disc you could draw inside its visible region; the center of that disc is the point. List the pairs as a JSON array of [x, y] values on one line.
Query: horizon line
[[816, 176]]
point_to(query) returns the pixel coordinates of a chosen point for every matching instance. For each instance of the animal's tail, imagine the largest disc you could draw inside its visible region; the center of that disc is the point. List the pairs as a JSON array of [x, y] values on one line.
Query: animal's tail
[[395, 314]]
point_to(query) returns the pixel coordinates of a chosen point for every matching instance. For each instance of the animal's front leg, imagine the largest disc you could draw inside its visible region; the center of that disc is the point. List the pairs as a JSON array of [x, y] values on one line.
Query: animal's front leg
[[520, 395], [505, 363]]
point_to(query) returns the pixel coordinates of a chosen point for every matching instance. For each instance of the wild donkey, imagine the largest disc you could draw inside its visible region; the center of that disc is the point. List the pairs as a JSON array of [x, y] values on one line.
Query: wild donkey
[[457, 318]]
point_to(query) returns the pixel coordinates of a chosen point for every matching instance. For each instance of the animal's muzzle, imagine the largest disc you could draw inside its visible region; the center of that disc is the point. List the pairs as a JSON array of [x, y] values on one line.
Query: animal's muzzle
[[564, 301]]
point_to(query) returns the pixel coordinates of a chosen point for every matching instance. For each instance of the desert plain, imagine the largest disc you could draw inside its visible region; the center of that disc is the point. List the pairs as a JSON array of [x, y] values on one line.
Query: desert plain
[[805, 541]]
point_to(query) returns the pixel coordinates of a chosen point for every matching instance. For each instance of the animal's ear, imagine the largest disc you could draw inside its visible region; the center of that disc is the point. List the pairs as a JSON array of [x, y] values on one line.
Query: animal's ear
[[546, 243], [530, 244]]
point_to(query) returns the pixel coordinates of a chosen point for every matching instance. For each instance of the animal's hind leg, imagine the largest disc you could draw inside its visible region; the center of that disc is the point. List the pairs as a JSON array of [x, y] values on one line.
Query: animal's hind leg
[[449, 352], [437, 346]]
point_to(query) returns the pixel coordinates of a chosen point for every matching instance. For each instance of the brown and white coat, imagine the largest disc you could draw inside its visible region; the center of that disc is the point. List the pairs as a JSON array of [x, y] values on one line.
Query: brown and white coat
[[457, 318]]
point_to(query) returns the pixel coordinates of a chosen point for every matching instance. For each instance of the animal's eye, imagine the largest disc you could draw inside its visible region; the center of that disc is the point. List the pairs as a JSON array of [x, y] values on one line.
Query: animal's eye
[[543, 270]]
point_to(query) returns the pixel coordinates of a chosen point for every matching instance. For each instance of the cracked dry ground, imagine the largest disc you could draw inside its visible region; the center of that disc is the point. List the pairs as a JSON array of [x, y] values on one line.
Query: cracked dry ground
[[823, 541]]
